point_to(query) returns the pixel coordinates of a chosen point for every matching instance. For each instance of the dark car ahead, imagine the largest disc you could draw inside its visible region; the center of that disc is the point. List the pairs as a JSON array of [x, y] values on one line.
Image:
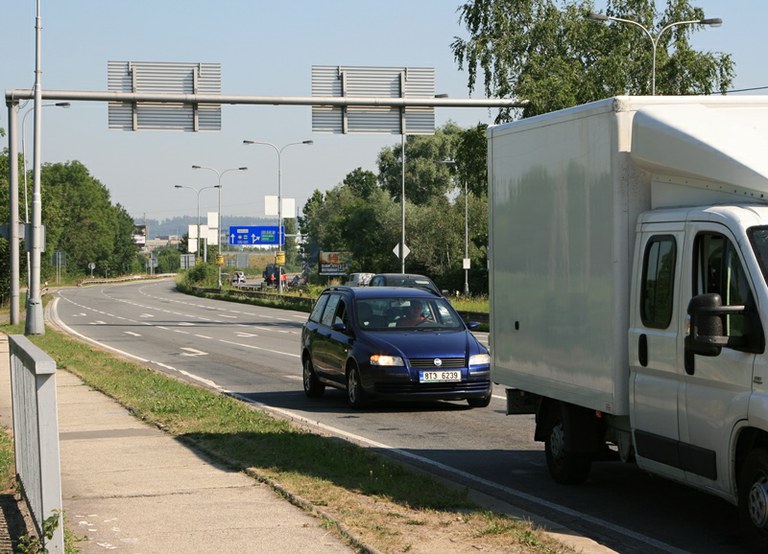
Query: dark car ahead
[[392, 343], [403, 280]]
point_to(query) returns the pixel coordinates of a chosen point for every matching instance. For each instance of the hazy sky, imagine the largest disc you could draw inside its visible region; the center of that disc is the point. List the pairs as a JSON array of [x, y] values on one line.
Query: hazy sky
[[265, 48]]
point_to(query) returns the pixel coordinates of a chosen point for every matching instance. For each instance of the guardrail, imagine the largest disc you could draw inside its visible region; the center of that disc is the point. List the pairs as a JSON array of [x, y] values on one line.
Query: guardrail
[[36, 436]]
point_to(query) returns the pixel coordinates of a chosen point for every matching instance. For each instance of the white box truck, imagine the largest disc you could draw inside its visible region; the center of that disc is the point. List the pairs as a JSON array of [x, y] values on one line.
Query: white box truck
[[628, 306]]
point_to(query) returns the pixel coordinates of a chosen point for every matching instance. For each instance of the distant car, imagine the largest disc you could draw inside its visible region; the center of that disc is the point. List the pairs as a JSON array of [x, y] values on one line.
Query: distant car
[[392, 343], [238, 278], [358, 279], [403, 280]]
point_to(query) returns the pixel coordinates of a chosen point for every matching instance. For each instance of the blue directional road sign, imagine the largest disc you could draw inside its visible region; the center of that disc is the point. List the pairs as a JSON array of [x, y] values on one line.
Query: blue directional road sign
[[254, 235]]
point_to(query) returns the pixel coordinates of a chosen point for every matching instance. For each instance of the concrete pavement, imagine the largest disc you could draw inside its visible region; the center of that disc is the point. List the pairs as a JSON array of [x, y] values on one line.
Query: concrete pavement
[[129, 487]]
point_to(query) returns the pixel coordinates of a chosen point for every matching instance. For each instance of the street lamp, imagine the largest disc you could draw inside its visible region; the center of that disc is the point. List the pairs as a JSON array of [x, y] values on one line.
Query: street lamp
[[198, 191], [712, 22], [279, 197], [24, 159], [218, 231], [465, 262]]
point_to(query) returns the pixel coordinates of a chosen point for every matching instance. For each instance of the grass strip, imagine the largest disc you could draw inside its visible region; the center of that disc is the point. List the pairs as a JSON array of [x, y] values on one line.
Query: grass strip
[[381, 503]]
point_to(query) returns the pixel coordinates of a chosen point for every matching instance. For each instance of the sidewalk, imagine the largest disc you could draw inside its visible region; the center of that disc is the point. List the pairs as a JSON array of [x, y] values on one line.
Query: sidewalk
[[129, 487]]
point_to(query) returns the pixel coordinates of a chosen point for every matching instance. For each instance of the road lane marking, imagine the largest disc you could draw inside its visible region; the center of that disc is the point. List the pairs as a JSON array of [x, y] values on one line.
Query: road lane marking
[[259, 348], [133, 334], [192, 352]]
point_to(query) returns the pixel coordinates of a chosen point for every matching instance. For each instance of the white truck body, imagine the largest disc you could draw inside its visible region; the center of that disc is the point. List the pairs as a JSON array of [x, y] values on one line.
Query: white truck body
[[606, 220]]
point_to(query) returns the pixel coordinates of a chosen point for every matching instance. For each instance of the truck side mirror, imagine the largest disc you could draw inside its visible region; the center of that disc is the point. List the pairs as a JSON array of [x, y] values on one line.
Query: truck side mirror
[[706, 336]]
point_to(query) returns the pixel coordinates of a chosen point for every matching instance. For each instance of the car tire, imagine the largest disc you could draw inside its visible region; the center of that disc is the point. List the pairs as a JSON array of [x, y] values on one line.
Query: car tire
[[355, 392], [313, 388]]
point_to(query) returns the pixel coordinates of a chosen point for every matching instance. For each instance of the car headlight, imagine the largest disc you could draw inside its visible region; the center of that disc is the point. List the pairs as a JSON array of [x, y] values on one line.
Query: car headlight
[[384, 360], [479, 359]]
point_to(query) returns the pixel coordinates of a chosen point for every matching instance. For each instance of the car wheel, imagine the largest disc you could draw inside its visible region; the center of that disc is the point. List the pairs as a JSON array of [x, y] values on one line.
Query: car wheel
[[753, 500], [313, 388], [565, 467], [355, 392]]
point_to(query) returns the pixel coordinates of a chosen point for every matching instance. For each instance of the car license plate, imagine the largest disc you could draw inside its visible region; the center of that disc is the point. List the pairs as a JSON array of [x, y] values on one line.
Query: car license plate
[[439, 376]]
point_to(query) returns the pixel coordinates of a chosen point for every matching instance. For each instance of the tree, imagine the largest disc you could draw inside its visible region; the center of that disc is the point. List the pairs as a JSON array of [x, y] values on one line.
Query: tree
[[81, 221], [549, 53], [363, 182], [168, 259], [425, 175]]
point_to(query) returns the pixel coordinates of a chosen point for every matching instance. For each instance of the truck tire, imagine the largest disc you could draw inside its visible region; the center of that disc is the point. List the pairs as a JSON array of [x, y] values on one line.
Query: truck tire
[[753, 500], [566, 467]]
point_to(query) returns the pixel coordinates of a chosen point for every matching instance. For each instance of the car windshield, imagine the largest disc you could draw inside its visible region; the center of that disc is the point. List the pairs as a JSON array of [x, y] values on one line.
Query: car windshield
[[381, 314]]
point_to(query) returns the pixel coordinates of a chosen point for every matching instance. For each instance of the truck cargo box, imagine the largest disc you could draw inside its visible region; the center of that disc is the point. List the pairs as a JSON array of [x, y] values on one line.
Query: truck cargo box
[[565, 192]]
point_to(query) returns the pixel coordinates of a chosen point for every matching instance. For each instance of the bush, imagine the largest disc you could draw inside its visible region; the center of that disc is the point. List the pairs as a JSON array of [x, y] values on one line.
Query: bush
[[202, 275]]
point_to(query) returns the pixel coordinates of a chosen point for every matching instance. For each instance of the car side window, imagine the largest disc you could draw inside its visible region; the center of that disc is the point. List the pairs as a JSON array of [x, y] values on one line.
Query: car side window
[[317, 311], [330, 310], [341, 314], [376, 282]]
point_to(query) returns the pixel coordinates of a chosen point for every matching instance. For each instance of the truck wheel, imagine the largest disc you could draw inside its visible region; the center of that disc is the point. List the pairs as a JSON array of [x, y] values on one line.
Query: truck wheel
[[313, 388], [355, 392], [565, 467], [753, 500]]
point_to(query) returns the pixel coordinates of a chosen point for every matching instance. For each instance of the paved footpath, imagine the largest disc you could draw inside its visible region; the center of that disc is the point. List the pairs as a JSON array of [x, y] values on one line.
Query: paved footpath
[[129, 487]]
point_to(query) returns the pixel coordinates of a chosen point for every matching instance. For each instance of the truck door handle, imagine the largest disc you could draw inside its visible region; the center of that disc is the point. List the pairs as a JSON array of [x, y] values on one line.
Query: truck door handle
[[642, 350]]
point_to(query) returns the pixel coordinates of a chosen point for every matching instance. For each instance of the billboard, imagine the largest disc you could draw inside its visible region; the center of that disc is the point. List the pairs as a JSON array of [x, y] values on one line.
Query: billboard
[[140, 235], [333, 263]]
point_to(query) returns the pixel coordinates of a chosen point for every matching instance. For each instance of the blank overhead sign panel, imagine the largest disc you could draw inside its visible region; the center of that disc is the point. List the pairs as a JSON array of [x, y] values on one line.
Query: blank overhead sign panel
[[164, 77], [373, 82]]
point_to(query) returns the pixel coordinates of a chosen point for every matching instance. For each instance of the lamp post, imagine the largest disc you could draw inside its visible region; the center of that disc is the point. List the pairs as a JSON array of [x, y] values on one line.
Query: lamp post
[[465, 262], [24, 159], [218, 231], [713, 22], [197, 191], [279, 151]]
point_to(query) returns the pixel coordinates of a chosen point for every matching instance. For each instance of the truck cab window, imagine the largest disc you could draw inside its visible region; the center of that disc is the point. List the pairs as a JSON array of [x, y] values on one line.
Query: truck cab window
[[657, 292], [719, 270]]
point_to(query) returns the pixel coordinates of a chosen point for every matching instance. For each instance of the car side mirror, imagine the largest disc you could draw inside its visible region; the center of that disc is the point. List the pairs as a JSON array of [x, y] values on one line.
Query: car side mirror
[[473, 325], [339, 327]]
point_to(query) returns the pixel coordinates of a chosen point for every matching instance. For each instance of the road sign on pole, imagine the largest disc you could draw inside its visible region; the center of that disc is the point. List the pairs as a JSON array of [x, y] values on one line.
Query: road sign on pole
[[254, 235], [406, 250]]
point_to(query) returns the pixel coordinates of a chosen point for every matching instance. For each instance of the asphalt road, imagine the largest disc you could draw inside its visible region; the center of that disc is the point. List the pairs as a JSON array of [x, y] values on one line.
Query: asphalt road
[[253, 352]]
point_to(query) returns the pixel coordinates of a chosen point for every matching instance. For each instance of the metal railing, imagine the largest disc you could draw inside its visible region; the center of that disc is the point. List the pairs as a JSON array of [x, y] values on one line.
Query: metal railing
[[36, 436]]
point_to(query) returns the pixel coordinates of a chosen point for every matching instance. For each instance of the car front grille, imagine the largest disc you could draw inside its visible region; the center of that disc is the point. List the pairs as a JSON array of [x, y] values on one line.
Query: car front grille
[[429, 363], [435, 388]]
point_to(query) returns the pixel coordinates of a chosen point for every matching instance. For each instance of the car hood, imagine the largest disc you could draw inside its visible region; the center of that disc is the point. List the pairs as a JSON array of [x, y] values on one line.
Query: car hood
[[422, 344]]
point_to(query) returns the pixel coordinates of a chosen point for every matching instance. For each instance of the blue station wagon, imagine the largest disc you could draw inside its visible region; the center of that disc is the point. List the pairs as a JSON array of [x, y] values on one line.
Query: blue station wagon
[[392, 343]]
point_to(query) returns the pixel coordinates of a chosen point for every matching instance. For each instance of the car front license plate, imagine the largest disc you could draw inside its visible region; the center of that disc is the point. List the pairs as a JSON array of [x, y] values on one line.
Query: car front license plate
[[439, 376]]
